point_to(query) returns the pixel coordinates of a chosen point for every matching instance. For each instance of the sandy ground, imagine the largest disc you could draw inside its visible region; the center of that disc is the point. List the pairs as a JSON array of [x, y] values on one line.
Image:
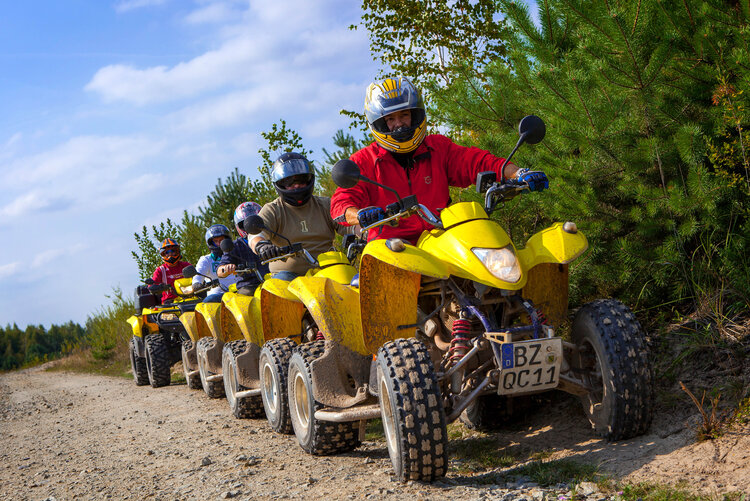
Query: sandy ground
[[77, 436]]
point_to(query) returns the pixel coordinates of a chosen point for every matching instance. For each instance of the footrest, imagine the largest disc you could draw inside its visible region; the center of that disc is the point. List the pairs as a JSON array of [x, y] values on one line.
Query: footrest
[[215, 377], [357, 413], [247, 394]]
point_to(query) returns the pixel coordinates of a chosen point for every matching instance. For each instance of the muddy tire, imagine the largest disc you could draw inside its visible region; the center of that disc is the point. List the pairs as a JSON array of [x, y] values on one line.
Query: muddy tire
[[193, 381], [274, 369], [614, 360], [138, 365], [214, 389], [320, 438], [157, 360], [412, 411], [242, 407]]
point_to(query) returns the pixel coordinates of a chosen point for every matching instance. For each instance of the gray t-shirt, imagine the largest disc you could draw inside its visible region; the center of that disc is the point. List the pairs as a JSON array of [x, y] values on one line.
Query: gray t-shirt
[[311, 225]]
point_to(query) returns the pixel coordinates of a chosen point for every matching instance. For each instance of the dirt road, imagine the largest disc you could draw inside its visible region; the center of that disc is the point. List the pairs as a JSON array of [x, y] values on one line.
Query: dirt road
[[74, 436]]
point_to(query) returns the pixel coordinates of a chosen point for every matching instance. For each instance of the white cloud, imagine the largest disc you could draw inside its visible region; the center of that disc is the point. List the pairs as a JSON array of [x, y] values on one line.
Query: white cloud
[[34, 201], [213, 13], [10, 269], [128, 5], [79, 157]]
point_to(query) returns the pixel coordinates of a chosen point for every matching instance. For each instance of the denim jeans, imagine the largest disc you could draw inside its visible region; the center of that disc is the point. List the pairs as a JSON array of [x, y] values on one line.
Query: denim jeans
[[285, 275], [213, 298]]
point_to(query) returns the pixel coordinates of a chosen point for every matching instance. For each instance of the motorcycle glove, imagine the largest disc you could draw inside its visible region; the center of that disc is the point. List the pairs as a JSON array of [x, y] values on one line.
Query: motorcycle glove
[[266, 250], [536, 180], [370, 215]]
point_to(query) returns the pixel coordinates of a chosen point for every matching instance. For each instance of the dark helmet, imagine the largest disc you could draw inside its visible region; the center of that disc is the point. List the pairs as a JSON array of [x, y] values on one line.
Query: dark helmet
[[170, 251], [292, 168], [242, 212], [213, 231], [389, 96]]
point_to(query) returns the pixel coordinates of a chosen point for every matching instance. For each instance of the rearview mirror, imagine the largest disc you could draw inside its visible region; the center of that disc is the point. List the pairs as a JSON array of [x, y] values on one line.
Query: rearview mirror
[[531, 129], [345, 173], [253, 224], [226, 245], [189, 271]]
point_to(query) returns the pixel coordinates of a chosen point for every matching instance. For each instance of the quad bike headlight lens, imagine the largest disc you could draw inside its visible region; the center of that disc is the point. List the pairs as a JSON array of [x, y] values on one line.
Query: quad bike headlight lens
[[168, 316], [502, 263]]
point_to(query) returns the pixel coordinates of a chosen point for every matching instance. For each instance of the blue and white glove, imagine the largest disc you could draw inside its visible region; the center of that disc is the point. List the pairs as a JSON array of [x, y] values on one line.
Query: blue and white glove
[[370, 215], [535, 179]]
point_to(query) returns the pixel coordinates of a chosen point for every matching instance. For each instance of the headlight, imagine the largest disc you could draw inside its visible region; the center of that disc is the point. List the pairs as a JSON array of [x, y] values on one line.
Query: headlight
[[168, 316], [502, 263]]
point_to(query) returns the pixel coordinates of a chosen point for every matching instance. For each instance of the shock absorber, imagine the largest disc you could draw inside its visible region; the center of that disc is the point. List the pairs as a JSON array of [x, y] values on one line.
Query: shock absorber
[[460, 342]]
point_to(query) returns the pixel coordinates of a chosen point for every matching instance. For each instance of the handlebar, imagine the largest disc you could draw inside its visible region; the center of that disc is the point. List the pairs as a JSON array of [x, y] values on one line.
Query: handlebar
[[501, 192], [292, 251]]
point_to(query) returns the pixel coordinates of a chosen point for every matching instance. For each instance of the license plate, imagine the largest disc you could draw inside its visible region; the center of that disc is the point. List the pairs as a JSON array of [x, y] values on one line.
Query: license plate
[[530, 366]]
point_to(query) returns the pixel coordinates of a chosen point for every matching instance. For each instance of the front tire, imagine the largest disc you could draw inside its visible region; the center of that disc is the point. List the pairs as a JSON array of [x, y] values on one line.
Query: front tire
[[412, 411], [316, 437], [157, 360], [613, 359], [274, 369], [189, 365], [214, 389], [138, 365], [242, 408]]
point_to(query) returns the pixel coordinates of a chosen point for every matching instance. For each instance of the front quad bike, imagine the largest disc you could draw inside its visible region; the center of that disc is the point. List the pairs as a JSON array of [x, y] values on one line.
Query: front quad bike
[[158, 333], [273, 323], [486, 314]]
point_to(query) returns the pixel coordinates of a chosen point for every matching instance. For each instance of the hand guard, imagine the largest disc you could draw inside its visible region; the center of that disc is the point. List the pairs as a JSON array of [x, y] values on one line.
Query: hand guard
[[266, 250], [536, 180], [370, 215]]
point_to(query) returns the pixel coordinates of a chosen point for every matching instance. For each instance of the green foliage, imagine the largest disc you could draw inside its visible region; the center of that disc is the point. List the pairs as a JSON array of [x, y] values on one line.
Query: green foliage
[[35, 344], [107, 330]]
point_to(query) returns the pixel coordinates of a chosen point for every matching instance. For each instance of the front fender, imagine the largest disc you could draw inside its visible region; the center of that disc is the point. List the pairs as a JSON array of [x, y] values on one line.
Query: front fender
[[241, 317], [208, 320], [189, 321], [552, 245], [411, 259], [335, 309], [281, 315], [136, 323]]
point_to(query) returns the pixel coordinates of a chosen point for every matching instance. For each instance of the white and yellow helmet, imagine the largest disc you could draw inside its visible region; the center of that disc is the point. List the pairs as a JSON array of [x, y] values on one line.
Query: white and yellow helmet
[[388, 96]]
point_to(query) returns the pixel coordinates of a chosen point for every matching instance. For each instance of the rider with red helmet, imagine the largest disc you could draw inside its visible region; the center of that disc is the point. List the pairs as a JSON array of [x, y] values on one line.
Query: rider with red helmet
[[171, 269]]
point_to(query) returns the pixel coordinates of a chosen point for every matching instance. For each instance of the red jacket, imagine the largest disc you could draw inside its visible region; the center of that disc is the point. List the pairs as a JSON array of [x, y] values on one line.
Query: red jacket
[[438, 164], [165, 274]]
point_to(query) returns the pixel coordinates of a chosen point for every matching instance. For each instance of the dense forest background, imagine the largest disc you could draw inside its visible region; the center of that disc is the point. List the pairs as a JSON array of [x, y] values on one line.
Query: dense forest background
[[646, 149]]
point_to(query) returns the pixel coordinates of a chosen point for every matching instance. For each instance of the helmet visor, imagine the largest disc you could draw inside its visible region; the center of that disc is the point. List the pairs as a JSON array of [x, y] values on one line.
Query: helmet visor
[[290, 168]]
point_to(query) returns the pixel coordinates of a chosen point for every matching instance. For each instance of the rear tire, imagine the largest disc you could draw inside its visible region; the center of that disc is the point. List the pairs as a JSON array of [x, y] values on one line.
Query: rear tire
[[412, 411], [274, 369], [613, 359], [316, 437], [193, 381], [214, 389], [242, 408], [138, 365], [157, 360]]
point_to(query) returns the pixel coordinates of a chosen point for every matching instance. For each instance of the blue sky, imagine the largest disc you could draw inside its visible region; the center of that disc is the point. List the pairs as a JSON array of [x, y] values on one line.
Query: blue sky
[[119, 114]]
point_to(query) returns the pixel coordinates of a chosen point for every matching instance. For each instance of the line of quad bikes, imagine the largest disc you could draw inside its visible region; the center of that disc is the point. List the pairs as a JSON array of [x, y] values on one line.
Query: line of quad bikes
[[461, 326]]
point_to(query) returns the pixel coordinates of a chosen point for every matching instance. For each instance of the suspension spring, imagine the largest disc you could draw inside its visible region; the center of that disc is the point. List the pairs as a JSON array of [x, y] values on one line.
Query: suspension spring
[[461, 342], [320, 336]]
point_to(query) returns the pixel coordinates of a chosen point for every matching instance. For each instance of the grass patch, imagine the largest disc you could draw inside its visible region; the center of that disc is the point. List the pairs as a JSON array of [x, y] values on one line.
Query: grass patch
[[82, 360], [547, 473], [653, 492], [374, 430]]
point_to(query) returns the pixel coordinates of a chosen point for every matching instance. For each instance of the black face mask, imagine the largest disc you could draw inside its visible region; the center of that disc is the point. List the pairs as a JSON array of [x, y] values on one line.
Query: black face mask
[[403, 133]]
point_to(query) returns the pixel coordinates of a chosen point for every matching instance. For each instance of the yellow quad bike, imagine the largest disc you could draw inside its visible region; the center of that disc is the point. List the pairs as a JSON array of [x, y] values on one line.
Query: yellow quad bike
[[230, 354], [201, 322], [460, 319], [158, 332], [286, 326]]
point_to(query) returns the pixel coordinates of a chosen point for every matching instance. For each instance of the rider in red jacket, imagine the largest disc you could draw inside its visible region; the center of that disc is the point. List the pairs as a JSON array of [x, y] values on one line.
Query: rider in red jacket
[[404, 158]]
